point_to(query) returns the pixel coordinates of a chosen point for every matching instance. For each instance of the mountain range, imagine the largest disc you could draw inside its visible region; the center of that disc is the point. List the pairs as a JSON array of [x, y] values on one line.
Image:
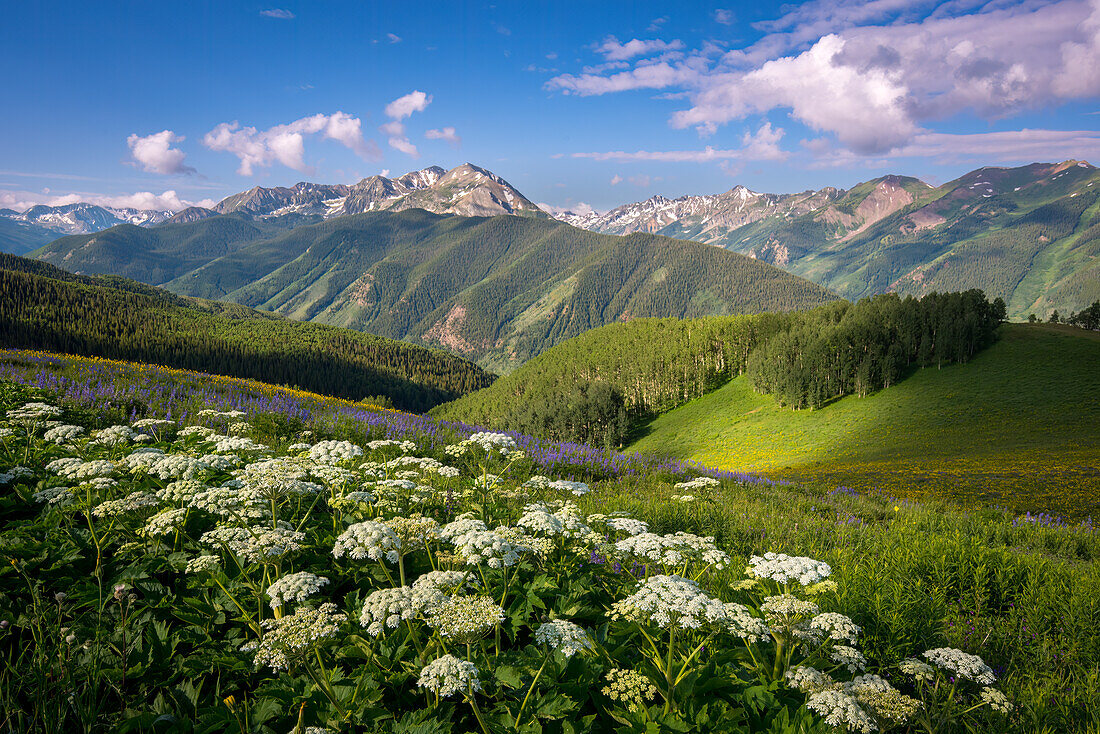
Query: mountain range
[[497, 290], [1030, 235]]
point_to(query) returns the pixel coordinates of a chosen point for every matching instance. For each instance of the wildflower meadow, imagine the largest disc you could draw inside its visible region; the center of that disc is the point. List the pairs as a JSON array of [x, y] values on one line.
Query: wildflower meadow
[[183, 553]]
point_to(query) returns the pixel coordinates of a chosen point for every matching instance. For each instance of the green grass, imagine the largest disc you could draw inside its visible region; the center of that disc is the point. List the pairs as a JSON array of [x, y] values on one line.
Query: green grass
[[1017, 426]]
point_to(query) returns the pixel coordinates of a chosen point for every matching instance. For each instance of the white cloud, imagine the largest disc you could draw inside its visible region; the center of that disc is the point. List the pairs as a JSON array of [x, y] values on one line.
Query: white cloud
[[723, 16], [393, 38], [402, 107], [393, 127], [286, 143], [646, 75], [446, 133], [168, 200], [1009, 146], [612, 50], [156, 154], [278, 13], [616, 180], [579, 208], [763, 145], [873, 73], [399, 109], [404, 145]]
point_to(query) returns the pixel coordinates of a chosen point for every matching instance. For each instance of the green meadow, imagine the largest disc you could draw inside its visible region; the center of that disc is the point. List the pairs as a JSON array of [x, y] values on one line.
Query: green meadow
[[1017, 426]]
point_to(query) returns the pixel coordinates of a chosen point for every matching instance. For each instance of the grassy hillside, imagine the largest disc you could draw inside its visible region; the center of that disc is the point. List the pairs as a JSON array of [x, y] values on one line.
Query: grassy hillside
[[42, 307], [1018, 426], [19, 238], [497, 290]]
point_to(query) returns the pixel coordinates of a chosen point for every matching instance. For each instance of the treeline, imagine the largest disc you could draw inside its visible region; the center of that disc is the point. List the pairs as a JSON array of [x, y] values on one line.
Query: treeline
[[119, 319], [856, 349], [601, 385]]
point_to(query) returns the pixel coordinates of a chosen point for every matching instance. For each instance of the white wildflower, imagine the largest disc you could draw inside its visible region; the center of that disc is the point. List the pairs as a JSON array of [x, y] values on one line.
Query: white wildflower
[[63, 434], [961, 664], [841, 709], [564, 636], [334, 452], [294, 587], [465, 619], [997, 700], [294, 636], [447, 675], [783, 569], [371, 539], [204, 564], [670, 601], [165, 521]]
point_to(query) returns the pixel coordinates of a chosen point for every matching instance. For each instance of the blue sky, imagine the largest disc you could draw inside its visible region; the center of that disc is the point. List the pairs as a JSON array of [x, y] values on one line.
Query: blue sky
[[163, 104]]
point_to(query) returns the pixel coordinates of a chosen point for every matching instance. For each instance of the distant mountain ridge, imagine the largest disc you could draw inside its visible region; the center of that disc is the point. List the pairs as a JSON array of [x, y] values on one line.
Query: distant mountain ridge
[[1030, 235], [497, 290]]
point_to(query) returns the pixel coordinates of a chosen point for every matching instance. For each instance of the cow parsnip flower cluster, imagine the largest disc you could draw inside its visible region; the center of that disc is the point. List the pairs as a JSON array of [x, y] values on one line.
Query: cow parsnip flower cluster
[[372, 539], [447, 675], [334, 452], [962, 664], [670, 601], [289, 639], [784, 569], [63, 434], [295, 587], [465, 619], [34, 411], [255, 544], [165, 522], [564, 636], [672, 550], [629, 688]]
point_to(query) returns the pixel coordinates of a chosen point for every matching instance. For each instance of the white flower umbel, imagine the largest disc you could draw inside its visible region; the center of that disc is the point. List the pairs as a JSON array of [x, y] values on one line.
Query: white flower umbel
[[386, 608], [961, 664], [839, 708], [698, 483], [294, 636], [786, 609], [627, 525], [919, 669], [784, 569], [460, 526], [295, 587], [165, 522], [130, 503], [55, 496], [848, 657], [488, 547], [465, 619], [371, 539], [835, 627], [672, 550], [256, 544], [578, 489], [334, 452], [448, 675], [808, 679], [996, 700], [564, 636], [413, 532], [670, 601], [490, 441], [63, 434], [33, 412], [204, 564], [114, 436], [234, 502], [741, 622]]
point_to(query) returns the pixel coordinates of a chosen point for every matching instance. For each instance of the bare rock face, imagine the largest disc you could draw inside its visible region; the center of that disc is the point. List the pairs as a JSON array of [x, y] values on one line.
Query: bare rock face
[[466, 190]]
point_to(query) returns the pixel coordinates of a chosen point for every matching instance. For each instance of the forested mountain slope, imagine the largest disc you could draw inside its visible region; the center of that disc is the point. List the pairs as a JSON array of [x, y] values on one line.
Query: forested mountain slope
[[1029, 235], [42, 307], [498, 290]]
